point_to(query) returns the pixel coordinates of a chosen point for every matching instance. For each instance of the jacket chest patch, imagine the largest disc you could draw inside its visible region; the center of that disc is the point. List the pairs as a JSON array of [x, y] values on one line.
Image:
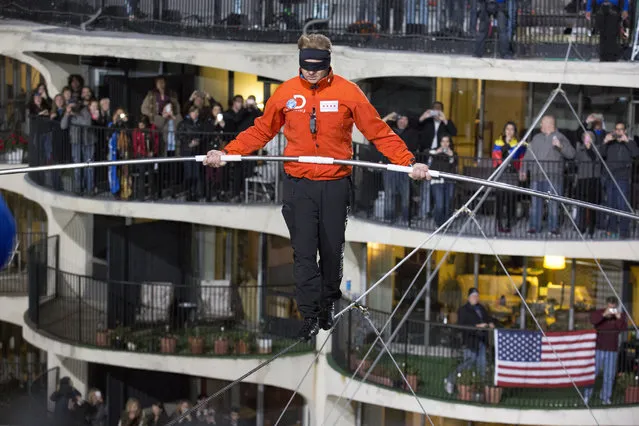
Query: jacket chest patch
[[329, 106]]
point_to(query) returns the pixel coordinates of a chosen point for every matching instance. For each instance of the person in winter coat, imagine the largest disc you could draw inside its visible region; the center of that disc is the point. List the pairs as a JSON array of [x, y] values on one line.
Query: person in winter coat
[[76, 120], [588, 180], [609, 323], [192, 143], [132, 415], [96, 413], [476, 320], [552, 149], [318, 109], [505, 200], [443, 159], [64, 398], [157, 416], [619, 151], [146, 144]]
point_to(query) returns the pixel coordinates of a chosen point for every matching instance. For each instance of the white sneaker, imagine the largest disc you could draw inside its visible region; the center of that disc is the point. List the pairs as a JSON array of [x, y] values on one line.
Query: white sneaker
[[606, 402]]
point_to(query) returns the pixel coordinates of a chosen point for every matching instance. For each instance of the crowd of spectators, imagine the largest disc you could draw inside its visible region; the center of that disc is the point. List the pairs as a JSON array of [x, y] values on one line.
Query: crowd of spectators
[[75, 126], [571, 165], [71, 409]]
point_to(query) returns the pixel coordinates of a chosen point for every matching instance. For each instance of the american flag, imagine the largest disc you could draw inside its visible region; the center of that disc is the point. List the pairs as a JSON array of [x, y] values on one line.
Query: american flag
[[527, 359]]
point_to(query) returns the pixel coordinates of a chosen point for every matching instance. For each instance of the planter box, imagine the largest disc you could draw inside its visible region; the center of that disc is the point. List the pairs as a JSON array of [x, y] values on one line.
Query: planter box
[[221, 347], [492, 394], [380, 380], [466, 392], [167, 345], [197, 345], [241, 347], [413, 381], [632, 395], [103, 338]]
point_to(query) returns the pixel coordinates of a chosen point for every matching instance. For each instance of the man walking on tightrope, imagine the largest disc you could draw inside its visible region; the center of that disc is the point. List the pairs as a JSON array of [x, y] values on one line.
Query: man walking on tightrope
[[317, 109]]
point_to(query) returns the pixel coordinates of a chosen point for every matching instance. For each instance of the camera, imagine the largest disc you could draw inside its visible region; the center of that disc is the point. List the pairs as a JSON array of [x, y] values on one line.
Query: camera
[[122, 116], [220, 117], [613, 310]]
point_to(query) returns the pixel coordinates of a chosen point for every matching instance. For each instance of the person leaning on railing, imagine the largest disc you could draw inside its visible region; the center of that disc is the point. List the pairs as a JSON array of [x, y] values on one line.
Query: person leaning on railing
[[192, 143], [505, 200], [475, 341], [146, 144], [551, 148], [619, 151], [77, 119], [609, 323], [588, 180], [608, 22]]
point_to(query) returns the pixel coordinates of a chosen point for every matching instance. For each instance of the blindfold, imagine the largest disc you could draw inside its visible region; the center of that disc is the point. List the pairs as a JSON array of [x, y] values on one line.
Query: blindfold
[[323, 56]]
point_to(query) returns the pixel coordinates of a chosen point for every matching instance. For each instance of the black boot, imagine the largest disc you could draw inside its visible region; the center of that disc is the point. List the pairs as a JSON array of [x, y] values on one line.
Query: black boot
[[326, 317], [309, 329]]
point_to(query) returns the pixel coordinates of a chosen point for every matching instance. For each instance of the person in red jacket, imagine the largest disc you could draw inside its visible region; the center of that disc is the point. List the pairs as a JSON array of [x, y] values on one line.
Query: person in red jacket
[[609, 323], [318, 109]]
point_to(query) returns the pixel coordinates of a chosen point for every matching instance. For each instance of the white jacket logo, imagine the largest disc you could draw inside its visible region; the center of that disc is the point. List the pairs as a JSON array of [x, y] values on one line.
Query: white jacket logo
[[294, 103]]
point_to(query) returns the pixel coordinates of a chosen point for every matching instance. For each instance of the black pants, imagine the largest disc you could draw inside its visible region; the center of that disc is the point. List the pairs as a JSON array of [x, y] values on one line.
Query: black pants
[[588, 189], [505, 209], [484, 17], [316, 213], [608, 20]]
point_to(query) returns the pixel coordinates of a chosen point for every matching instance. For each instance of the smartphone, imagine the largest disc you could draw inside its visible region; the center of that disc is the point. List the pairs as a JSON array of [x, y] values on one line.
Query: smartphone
[[220, 117]]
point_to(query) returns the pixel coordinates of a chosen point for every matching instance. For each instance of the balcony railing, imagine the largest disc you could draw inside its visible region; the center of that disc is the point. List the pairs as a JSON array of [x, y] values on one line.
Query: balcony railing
[[13, 278], [381, 197], [536, 30], [186, 319], [428, 353]]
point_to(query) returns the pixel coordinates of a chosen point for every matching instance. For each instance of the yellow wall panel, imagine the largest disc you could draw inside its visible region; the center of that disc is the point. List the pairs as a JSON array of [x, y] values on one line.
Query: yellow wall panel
[[215, 82], [504, 101]]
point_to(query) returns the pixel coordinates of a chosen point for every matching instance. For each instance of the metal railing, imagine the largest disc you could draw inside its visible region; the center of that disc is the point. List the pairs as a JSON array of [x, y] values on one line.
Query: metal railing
[[383, 197], [184, 319], [429, 353], [13, 278], [24, 399], [536, 27]]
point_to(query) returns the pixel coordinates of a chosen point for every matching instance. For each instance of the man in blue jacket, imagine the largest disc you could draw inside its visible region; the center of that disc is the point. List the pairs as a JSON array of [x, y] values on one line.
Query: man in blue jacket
[[608, 26], [489, 9]]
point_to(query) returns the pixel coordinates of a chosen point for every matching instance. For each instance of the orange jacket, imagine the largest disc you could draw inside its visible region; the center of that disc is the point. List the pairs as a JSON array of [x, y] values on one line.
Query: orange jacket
[[338, 104]]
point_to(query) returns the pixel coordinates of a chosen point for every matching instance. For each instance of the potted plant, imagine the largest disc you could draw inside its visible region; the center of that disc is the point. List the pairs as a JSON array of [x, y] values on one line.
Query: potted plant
[[221, 343], [196, 343], [357, 358], [492, 393], [412, 376], [630, 383], [168, 342], [102, 336], [242, 342], [467, 382]]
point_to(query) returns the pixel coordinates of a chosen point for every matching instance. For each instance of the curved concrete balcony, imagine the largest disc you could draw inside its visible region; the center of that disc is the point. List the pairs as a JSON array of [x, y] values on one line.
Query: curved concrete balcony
[[387, 209], [429, 353]]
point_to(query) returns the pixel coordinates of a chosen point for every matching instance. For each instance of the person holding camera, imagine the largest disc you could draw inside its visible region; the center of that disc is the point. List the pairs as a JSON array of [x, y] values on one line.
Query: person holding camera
[[619, 151], [609, 323], [443, 159], [491, 9]]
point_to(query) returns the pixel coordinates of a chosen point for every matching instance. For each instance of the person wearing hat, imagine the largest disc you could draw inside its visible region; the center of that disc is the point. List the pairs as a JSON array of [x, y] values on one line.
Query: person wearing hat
[[472, 314]]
